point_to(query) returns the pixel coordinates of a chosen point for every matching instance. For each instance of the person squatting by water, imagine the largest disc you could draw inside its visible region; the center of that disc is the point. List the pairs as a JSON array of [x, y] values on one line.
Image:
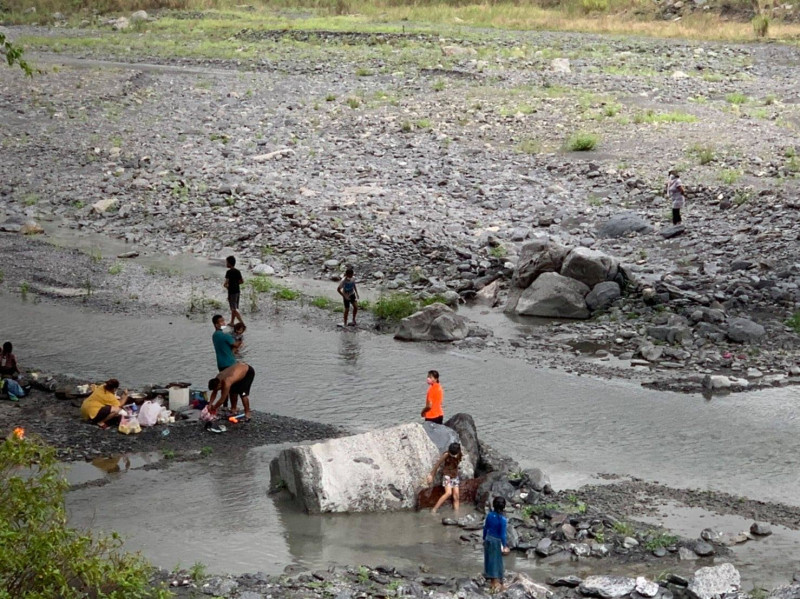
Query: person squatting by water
[[233, 283], [677, 194], [232, 382], [449, 463], [349, 291], [432, 412], [103, 407], [495, 544]]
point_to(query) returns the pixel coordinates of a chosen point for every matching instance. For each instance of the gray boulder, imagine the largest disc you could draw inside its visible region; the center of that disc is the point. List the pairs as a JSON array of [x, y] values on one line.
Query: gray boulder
[[714, 581], [375, 471], [623, 224], [607, 587], [492, 460], [554, 296], [464, 426], [760, 529], [603, 295], [436, 322], [588, 266], [538, 479], [536, 257], [673, 231], [744, 330]]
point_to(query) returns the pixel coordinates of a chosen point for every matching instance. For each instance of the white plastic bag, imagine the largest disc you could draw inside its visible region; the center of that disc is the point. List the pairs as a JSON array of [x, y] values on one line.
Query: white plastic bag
[[163, 415], [149, 413], [129, 425]]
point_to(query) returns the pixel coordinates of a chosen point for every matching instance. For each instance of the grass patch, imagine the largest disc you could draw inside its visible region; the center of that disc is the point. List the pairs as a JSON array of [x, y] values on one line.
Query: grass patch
[[286, 294], [529, 146], [651, 116], [659, 540], [261, 284], [325, 303], [793, 322], [498, 251], [703, 154], [434, 299], [581, 142], [115, 268], [353, 102], [736, 98], [540, 508], [729, 176], [624, 528], [395, 306]]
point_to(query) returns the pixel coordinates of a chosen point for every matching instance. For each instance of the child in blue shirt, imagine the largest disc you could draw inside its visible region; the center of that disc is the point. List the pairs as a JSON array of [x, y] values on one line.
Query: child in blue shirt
[[495, 544]]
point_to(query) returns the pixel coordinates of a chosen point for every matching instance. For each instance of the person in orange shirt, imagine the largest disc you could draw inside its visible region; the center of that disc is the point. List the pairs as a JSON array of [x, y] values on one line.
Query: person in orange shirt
[[432, 412]]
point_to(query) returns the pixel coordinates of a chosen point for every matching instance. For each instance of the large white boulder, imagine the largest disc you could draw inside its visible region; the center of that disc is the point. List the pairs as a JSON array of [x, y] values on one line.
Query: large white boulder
[[376, 471], [554, 296], [714, 581]]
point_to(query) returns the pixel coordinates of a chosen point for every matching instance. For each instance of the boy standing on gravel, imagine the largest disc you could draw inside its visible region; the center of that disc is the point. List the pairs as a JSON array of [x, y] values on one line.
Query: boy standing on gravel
[[233, 283]]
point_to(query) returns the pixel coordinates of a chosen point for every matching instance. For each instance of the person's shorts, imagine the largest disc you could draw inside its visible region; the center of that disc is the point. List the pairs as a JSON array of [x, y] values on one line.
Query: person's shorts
[[350, 300], [243, 387], [437, 420], [233, 301], [104, 413], [450, 481]]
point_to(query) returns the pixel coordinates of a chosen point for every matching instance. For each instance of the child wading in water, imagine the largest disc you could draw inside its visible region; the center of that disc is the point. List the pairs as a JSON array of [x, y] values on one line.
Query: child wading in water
[[349, 291], [495, 544], [449, 463], [432, 412], [677, 194]]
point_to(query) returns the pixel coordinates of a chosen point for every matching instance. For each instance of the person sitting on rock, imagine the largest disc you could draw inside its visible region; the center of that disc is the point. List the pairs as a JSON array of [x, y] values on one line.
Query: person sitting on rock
[[449, 463], [103, 407], [8, 362]]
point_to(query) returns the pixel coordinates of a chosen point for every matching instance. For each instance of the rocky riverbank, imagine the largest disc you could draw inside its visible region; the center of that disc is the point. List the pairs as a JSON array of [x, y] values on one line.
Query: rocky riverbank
[[429, 174]]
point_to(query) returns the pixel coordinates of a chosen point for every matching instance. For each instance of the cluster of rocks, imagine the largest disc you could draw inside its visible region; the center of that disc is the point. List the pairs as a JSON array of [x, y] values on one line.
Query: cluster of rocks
[[710, 582]]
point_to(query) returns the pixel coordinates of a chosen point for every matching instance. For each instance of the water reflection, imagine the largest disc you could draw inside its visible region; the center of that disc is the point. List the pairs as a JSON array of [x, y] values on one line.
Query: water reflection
[[349, 347], [113, 464]]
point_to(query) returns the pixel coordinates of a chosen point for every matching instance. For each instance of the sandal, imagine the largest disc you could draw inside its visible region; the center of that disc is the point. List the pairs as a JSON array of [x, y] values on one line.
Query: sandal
[[103, 426]]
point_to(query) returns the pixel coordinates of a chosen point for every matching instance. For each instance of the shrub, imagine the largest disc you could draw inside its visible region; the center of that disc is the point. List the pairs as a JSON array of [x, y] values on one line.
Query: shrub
[[395, 306], [261, 284], [704, 154], [284, 293], [582, 142], [323, 302], [736, 98], [794, 322], [760, 25], [41, 556], [434, 299], [660, 539], [624, 528], [729, 176]]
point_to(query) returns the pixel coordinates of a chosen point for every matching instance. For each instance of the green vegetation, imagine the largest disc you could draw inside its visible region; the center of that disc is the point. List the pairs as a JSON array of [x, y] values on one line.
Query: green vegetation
[[498, 251], [760, 25], [539, 509], [30, 199], [287, 294], [261, 284], [13, 54], [2, 276], [395, 306], [581, 142], [624, 528], [600, 536], [433, 299], [794, 322], [115, 268], [206, 451], [657, 540], [423, 124], [529, 146], [169, 454], [730, 176], [363, 574], [353, 102], [651, 116], [197, 572], [24, 287], [703, 154], [95, 255], [42, 557], [323, 302], [742, 196], [363, 72], [579, 505], [736, 98], [438, 85]]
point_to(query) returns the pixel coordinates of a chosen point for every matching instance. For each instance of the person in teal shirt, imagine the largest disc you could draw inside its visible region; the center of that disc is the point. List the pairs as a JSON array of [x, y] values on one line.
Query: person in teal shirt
[[224, 344]]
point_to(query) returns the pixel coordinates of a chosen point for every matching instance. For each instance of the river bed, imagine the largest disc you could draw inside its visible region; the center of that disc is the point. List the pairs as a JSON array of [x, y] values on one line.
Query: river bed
[[572, 427]]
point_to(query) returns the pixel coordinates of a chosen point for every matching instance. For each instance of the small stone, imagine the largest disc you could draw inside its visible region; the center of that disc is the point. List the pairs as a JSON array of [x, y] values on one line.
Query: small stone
[[760, 529]]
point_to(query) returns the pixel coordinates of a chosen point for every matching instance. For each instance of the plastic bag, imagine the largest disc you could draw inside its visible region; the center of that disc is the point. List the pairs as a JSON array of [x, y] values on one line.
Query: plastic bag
[[149, 413], [164, 415], [207, 415], [129, 425]]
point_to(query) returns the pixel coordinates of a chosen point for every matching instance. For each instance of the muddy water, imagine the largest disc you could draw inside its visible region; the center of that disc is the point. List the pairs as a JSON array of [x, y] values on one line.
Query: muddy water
[[573, 427]]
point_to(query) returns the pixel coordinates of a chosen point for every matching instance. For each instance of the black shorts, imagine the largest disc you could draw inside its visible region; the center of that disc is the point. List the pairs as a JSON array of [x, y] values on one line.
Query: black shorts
[[350, 300], [243, 387], [437, 420], [233, 301], [104, 413]]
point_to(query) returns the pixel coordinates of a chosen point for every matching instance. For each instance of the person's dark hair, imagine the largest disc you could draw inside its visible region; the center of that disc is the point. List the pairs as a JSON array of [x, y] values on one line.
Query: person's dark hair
[[499, 504], [7, 347], [434, 374], [454, 449], [111, 385], [216, 318], [349, 272], [213, 384], [230, 260], [674, 172], [239, 327]]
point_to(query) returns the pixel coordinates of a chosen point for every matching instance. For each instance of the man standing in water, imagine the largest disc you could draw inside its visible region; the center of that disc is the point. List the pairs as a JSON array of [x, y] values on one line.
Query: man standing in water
[[235, 381]]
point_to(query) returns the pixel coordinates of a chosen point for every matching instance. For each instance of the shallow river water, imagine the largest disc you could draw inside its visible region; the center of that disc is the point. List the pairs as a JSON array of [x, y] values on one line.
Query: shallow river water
[[572, 427]]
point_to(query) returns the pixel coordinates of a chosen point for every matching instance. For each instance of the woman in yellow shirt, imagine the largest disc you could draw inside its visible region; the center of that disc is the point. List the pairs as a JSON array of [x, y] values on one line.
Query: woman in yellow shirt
[[103, 405]]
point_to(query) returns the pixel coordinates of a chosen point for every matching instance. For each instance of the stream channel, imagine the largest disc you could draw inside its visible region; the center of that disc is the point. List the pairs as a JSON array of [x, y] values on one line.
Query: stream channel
[[217, 511]]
